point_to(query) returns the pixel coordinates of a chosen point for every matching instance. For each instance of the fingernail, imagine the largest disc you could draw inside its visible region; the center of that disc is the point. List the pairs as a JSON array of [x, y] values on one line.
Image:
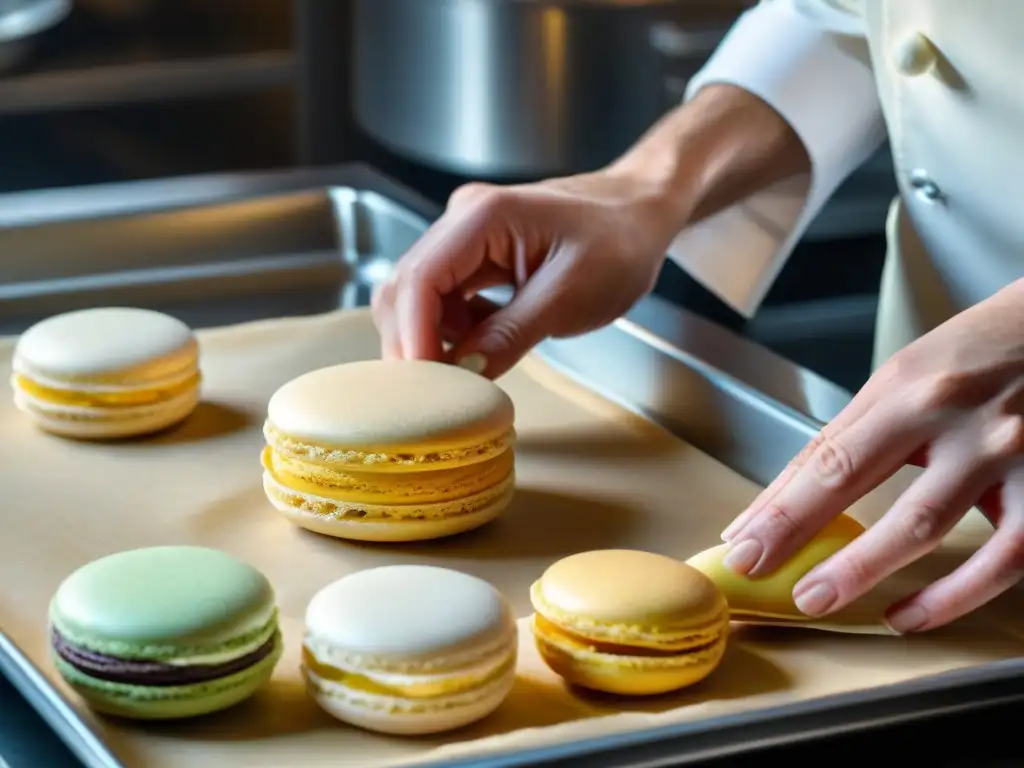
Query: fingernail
[[816, 599], [731, 530], [742, 557], [890, 627], [476, 363], [737, 524], [909, 619]]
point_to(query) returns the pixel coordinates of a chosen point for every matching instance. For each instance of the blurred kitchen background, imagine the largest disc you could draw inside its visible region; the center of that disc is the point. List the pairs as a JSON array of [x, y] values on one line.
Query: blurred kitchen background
[[431, 92]]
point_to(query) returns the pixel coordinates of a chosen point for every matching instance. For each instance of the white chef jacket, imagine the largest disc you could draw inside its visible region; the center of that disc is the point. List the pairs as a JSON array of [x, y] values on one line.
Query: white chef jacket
[[943, 79]]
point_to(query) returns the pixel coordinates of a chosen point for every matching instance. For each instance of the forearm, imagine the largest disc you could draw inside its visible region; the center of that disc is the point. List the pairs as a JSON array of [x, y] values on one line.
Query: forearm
[[720, 147]]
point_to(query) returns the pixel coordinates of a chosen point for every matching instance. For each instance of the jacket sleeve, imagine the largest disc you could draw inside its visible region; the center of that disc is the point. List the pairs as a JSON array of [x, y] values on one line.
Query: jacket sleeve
[[809, 60]]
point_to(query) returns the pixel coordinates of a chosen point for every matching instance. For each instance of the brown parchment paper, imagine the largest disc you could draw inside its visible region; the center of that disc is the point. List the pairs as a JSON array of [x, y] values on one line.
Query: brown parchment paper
[[591, 475]]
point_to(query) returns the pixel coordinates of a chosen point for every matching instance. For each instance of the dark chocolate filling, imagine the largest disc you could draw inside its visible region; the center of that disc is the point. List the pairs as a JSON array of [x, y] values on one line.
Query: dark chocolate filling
[[156, 673]]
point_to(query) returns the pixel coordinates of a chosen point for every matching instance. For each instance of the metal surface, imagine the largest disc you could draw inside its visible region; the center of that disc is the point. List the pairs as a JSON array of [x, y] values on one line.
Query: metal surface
[[117, 85], [224, 249], [323, 47], [20, 22], [23, 18], [502, 88]]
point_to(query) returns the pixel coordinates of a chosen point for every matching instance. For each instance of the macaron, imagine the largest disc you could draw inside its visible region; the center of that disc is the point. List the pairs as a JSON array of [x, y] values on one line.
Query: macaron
[[165, 632], [769, 599], [389, 451], [110, 372], [409, 649], [628, 622]]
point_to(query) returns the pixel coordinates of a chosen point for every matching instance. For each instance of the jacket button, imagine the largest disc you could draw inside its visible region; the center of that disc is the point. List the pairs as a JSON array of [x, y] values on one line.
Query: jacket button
[[925, 187], [915, 55]]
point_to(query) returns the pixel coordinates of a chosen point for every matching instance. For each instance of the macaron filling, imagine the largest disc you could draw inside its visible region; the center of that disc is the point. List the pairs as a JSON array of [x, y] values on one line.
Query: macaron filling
[[414, 487], [338, 509], [112, 669], [563, 639], [385, 458], [109, 398], [408, 685]]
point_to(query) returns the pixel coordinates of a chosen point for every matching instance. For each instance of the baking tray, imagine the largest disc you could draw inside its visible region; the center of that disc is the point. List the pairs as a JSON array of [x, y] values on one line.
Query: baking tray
[[225, 249]]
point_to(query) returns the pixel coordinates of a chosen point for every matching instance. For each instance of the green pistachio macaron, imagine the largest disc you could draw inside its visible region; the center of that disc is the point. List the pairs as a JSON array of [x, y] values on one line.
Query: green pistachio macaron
[[165, 632]]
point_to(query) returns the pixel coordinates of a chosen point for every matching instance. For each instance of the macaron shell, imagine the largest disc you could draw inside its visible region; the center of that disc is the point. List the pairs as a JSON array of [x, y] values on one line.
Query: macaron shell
[[398, 617], [107, 423], [170, 702], [630, 597], [772, 596], [163, 602], [133, 345], [384, 406]]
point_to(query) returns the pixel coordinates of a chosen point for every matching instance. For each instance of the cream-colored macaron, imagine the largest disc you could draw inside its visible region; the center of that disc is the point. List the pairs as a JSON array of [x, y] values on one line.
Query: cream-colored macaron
[[108, 372], [409, 649], [389, 450]]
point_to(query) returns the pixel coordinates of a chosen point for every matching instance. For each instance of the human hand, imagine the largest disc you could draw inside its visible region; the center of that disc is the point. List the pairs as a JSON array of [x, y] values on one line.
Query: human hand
[[579, 252], [953, 402]]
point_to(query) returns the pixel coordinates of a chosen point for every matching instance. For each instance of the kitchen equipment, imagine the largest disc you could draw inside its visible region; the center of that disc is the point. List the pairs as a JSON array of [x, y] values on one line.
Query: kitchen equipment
[[23, 18], [520, 88], [20, 20]]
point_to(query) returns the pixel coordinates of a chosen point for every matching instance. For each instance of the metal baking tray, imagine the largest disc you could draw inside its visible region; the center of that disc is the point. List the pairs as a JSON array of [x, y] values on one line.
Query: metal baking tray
[[231, 248]]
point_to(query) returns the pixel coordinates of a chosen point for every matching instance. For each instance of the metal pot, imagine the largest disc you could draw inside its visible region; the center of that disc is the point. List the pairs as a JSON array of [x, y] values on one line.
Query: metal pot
[[525, 88]]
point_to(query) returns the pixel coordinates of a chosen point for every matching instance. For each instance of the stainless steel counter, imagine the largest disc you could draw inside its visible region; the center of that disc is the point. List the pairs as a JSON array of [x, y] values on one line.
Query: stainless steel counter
[[222, 249]]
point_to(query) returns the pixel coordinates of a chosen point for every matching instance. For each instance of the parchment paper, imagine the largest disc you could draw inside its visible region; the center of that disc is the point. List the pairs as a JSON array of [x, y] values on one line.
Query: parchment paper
[[591, 475]]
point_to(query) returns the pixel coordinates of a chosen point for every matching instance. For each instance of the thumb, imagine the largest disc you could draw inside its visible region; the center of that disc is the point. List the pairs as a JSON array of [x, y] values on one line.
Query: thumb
[[504, 337]]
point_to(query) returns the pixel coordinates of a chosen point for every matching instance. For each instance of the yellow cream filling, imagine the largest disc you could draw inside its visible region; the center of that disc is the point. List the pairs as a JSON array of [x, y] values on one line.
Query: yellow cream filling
[[386, 460], [127, 399], [546, 629], [392, 512], [430, 486], [426, 689]]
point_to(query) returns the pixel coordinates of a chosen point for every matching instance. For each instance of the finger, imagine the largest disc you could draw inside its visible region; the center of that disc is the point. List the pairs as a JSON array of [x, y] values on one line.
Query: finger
[[918, 458], [383, 319], [994, 568], [500, 341], [448, 255], [842, 466], [783, 478], [990, 571], [914, 526], [861, 404], [461, 316], [467, 193], [878, 388], [418, 309]]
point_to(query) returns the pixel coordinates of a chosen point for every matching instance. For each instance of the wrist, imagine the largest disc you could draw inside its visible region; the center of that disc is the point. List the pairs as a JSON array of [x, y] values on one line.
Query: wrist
[[723, 145]]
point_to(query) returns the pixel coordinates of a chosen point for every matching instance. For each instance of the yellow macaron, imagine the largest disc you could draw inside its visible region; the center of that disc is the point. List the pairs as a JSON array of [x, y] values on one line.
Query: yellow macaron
[[628, 622], [108, 372], [769, 600], [389, 451]]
